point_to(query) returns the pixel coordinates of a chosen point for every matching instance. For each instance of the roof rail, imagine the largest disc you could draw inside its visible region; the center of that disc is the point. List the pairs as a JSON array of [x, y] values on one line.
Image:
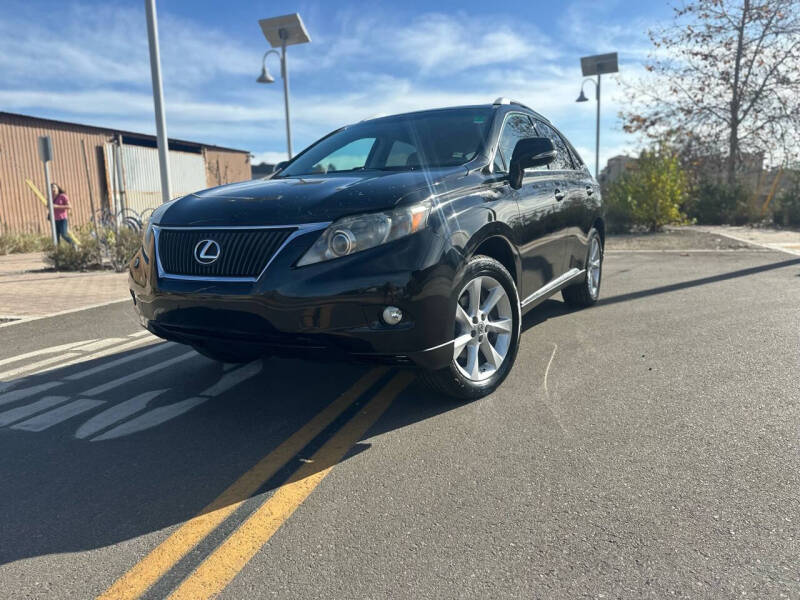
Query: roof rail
[[502, 100]]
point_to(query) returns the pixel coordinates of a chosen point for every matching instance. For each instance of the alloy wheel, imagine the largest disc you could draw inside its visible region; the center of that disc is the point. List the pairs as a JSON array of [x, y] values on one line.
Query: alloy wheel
[[593, 268], [484, 323]]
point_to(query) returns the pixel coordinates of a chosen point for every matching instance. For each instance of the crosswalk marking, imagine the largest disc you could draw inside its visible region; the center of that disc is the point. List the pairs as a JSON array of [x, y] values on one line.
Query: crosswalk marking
[[26, 392], [100, 389], [119, 418], [119, 361], [116, 413], [141, 333], [12, 373], [58, 415], [116, 350], [22, 412], [152, 418], [40, 352], [100, 344]]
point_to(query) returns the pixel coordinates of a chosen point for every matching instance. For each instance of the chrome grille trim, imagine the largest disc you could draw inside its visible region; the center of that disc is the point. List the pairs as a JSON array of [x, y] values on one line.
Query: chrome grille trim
[[299, 230]]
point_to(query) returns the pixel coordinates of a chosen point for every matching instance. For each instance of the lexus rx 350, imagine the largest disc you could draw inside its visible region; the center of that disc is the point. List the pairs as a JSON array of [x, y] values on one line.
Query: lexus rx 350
[[418, 239]]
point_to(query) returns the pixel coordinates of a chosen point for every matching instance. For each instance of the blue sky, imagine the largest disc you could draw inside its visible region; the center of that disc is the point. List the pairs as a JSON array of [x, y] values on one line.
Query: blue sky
[[87, 61]]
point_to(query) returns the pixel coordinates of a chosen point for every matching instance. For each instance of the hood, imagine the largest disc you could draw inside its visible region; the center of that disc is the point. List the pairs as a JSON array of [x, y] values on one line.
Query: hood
[[311, 199]]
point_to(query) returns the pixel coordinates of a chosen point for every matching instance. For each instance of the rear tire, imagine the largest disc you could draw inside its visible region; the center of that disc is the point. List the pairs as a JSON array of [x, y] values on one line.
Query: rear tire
[[486, 332], [586, 292], [227, 355]]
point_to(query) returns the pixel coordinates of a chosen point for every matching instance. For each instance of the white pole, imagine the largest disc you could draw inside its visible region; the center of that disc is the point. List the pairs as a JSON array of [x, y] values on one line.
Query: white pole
[[285, 77], [158, 99], [597, 134], [50, 203]]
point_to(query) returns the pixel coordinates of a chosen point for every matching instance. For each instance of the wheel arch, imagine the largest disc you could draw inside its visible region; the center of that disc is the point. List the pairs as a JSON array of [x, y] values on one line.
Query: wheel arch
[[495, 244], [600, 225]]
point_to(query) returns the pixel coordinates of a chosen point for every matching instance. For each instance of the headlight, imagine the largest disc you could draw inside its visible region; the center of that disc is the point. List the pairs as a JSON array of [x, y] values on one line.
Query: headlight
[[155, 219], [146, 239], [354, 234]]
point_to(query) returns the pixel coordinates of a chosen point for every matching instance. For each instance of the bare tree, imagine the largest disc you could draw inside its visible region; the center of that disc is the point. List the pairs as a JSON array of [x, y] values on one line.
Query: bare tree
[[724, 78]]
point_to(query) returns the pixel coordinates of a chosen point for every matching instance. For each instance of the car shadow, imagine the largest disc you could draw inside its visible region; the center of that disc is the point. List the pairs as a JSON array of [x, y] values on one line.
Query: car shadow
[[63, 493], [673, 287]]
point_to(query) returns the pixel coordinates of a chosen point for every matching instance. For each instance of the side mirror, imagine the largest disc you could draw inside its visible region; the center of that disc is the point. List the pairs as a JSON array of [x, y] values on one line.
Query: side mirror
[[530, 152], [533, 152]]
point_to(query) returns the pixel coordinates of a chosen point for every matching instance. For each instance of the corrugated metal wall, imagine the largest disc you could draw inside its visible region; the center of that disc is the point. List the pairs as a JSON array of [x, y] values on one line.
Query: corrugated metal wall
[[226, 166], [20, 210], [141, 180]]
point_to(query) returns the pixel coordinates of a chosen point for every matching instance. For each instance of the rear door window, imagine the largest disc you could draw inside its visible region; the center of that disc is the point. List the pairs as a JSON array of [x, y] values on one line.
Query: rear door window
[[563, 162]]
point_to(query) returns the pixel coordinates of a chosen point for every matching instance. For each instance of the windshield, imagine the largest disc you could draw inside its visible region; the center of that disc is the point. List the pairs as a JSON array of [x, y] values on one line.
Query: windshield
[[434, 139]]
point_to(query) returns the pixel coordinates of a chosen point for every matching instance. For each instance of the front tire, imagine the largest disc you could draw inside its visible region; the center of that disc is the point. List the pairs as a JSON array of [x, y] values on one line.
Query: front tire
[[486, 332]]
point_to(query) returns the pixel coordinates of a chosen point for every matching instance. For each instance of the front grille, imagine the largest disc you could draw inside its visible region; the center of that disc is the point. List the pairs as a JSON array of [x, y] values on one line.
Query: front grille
[[242, 252]]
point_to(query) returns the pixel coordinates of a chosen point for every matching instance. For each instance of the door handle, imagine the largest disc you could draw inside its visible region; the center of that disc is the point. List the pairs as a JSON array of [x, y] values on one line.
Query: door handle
[[589, 190], [559, 195]]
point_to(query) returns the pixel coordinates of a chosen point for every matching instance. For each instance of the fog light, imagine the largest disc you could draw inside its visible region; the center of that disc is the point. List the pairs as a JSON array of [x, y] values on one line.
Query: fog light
[[392, 315]]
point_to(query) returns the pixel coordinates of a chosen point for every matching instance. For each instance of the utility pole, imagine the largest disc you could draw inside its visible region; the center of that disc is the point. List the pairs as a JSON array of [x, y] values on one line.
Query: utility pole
[[158, 99], [46, 155]]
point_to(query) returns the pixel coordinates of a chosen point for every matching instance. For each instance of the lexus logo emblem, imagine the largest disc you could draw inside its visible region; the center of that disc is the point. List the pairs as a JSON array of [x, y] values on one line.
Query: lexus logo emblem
[[206, 252]]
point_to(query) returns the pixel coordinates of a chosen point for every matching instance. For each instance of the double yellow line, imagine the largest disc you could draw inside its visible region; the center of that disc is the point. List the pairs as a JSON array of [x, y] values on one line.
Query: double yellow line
[[221, 566]]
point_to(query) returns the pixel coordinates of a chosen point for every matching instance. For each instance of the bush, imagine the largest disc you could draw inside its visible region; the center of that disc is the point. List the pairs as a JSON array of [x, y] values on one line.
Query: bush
[[649, 194], [718, 204], [12, 243], [787, 205], [85, 256], [118, 246], [121, 246]]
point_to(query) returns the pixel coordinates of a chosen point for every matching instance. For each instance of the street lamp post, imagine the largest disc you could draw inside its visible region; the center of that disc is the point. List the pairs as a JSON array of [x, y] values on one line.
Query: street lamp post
[[158, 99], [281, 32], [597, 65]]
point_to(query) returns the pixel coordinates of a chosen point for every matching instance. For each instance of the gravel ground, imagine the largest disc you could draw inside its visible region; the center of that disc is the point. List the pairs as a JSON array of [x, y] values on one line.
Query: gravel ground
[[673, 239]]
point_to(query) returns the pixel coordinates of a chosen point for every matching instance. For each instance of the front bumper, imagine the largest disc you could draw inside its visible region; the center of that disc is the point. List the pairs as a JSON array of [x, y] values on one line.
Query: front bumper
[[329, 310]]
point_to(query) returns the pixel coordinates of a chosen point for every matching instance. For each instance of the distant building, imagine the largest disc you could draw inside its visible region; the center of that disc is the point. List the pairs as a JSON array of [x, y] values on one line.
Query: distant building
[[615, 167], [123, 170], [262, 170]]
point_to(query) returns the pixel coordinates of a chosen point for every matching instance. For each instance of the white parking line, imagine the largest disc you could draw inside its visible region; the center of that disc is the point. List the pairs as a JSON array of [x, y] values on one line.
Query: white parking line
[[23, 412], [58, 415], [233, 378], [35, 353], [14, 373], [162, 414], [119, 361], [138, 374], [100, 344], [140, 334], [151, 418], [117, 413], [26, 392], [102, 353]]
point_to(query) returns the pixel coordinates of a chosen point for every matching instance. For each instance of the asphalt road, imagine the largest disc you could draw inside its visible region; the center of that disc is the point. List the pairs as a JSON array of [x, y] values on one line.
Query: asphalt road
[[646, 447]]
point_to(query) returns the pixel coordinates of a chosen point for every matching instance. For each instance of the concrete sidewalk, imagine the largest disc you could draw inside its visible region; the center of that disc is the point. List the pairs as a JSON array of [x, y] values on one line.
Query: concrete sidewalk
[[29, 289], [784, 240]]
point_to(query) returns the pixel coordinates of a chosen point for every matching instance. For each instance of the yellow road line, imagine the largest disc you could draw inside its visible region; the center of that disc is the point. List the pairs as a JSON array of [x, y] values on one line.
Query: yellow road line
[[153, 566], [217, 571]]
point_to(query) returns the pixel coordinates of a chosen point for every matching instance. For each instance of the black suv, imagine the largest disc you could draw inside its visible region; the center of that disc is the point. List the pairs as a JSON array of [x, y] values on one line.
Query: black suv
[[417, 239]]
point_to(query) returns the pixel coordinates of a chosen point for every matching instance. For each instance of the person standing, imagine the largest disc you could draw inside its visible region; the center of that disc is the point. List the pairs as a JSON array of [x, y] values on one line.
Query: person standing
[[61, 208]]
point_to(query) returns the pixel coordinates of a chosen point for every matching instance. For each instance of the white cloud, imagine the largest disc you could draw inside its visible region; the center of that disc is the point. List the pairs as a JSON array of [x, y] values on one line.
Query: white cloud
[[96, 70]]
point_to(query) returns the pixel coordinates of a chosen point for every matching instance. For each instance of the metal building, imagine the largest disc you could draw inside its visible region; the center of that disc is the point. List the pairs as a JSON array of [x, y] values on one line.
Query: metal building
[[122, 170]]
